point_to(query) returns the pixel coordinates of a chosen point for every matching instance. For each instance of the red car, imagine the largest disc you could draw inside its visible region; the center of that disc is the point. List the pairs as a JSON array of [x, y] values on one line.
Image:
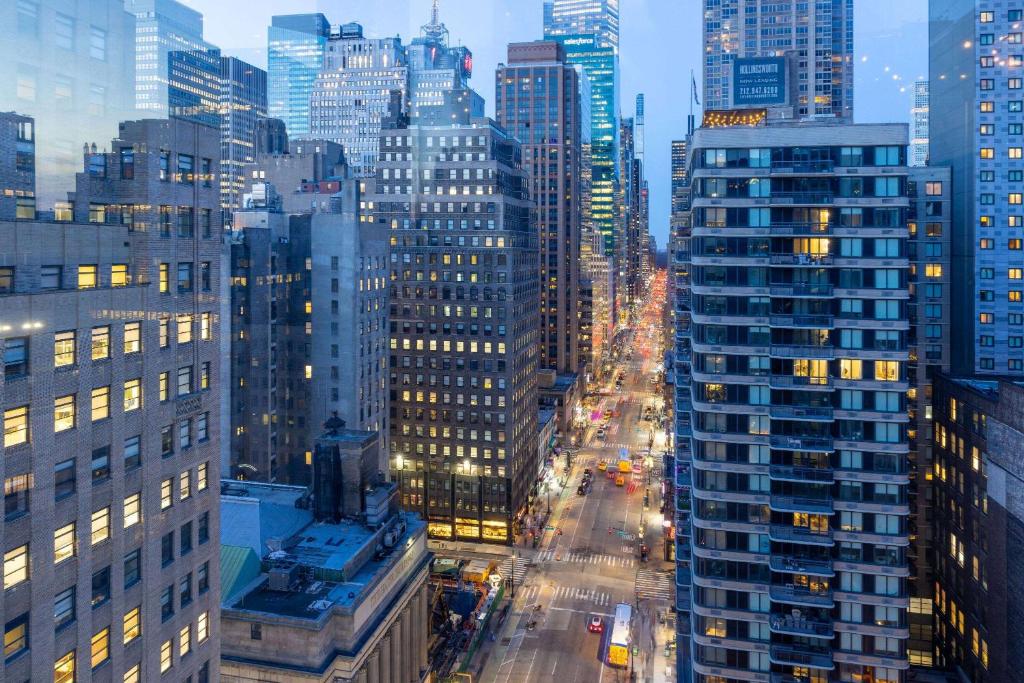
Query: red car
[[596, 625]]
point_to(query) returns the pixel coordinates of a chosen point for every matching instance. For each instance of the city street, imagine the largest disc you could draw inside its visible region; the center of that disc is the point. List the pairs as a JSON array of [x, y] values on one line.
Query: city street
[[594, 563]]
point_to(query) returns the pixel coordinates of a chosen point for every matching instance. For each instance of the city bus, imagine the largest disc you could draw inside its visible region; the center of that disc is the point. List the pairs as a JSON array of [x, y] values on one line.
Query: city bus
[[618, 644]]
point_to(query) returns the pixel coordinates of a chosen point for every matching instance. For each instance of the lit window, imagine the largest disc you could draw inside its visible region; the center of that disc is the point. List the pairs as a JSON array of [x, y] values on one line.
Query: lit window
[[132, 509], [205, 329], [100, 342], [887, 370], [86, 276], [100, 647], [64, 349], [16, 636], [15, 566], [166, 653], [119, 275], [15, 426], [184, 328], [987, 153], [184, 485], [201, 479], [132, 337], [132, 624], [64, 543], [165, 278], [63, 413], [100, 403], [184, 640], [164, 386], [851, 368], [166, 493], [132, 395], [203, 627], [132, 675], [100, 525], [64, 669], [1014, 273]]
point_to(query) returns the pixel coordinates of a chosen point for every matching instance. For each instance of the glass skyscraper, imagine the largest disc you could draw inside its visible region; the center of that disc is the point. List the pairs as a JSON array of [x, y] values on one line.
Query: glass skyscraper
[[295, 56], [589, 32]]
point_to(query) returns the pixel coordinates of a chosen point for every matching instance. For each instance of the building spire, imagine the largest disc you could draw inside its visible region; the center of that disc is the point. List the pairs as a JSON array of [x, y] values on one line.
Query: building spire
[[435, 30]]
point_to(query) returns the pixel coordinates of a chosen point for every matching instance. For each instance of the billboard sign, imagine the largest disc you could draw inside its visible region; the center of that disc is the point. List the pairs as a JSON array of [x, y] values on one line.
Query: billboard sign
[[758, 81]]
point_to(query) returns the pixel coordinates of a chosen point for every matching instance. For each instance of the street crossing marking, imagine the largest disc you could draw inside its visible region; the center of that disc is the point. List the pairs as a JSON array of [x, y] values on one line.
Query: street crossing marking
[[655, 585], [577, 594], [505, 569], [585, 558]]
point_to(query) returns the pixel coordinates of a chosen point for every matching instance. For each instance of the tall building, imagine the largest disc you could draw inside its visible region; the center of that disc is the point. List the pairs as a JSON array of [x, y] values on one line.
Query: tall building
[[291, 369], [110, 419], [816, 38], [797, 434], [463, 325], [194, 86], [354, 91], [981, 146], [919, 131], [67, 66], [439, 91], [327, 584], [978, 474], [589, 32], [537, 100], [929, 189], [296, 44], [678, 173], [243, 103], [17, 166], [161, 27]]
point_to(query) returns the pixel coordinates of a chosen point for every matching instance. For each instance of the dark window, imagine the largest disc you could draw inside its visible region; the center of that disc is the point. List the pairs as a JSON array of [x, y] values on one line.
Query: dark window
[[185, 538], [100, 464], [185, 590], [15, 637], [127, 163], [204, 276], [167, 548], [16, 495], [132, 567], [15, 351], [184, 277], [64, 479], [186, 221], [204, 673], [165, 165], [101, 586], [51, 277], [186, 169], [132, 452], [64, 608], [167, 603], [256, 631], [205, 167], [204, 528], [167, 441], [203, 578]]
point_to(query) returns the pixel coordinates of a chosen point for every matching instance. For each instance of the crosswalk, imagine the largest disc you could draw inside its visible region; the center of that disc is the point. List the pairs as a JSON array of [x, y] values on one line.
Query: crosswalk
[[562, 595], [585, 558], [654, 585], [505, 569]]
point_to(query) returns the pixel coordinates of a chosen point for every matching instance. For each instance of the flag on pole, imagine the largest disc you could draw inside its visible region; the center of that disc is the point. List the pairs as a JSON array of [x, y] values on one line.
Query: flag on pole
[[693, 88]]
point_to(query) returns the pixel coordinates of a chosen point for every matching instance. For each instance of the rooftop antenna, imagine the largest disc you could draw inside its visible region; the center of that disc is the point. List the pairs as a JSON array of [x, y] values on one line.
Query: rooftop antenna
[[435, 29]]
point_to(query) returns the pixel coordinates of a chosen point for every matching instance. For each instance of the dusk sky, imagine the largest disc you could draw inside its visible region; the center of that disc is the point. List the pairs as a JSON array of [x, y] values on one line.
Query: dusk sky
[[660, 43]]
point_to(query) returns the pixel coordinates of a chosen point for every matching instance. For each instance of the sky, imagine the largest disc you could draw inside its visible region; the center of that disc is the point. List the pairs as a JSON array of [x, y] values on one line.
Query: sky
[[660, 43]]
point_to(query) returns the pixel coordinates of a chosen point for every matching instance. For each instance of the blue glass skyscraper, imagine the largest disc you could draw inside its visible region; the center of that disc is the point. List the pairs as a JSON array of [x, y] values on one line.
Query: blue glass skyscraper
[[295, 55]]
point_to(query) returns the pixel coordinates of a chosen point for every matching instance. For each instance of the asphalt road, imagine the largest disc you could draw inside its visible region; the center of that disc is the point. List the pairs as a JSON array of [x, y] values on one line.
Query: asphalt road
[[593, 564]]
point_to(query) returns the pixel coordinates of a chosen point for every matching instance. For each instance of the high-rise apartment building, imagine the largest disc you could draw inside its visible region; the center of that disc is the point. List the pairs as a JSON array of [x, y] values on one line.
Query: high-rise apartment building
[[537, 100], [17, 166], [919, 130], [194, 86], [110, 419], [678, 173], [243, 102], [815, 37], [463, 325], [977, 137], [589, 32], [161, 27], [70, 66], [979, 527], [296, 44], [797, 470], [928, 221], [354, 91]]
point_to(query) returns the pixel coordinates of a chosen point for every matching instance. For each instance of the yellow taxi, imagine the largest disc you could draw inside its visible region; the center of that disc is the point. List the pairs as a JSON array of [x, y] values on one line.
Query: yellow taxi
[[620, 480], [602, 466]]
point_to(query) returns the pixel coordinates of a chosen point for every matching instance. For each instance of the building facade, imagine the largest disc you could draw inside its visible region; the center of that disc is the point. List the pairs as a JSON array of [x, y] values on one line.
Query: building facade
[[817, 36], [17, 166], [194, 86], [243, 103], [464, 331], [979, 527], [798, 564], [439, 90], [354, 91], [919, 120], [70, 67], [161, 27], [296, 44], [980, 145], [537, 100], [110, 419], [678, 173]]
